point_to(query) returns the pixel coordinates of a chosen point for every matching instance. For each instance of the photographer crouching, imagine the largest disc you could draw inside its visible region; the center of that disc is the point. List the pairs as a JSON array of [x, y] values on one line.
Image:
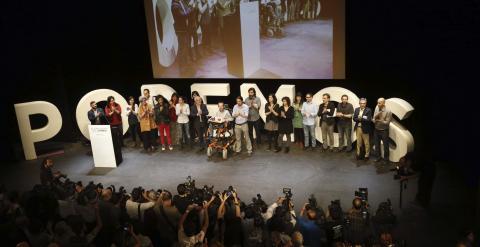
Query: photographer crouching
[[47, 176]]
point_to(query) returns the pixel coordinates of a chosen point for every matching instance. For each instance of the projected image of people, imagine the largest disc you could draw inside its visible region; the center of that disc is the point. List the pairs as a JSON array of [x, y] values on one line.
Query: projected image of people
[[244, 39]]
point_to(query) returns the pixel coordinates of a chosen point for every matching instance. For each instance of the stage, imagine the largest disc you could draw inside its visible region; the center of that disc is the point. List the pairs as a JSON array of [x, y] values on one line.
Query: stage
[[328, 175]]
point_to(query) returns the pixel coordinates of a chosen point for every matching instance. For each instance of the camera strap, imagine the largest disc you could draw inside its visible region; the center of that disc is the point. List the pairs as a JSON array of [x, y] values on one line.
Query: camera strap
[[139, 213]]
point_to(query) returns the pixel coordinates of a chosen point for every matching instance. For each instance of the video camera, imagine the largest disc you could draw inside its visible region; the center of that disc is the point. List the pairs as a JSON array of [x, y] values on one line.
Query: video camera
[[255, 209], [362, 194]]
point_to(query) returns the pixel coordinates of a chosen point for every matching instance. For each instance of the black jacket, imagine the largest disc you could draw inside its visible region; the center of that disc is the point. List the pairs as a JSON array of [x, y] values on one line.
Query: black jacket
[[161, 117], [101, 117], [272, 117], [285, 125], [327, 116], [199, 120], [366, 119]]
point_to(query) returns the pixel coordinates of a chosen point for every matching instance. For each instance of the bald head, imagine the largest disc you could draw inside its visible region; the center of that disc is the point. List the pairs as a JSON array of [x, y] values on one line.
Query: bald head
[[381, 103]]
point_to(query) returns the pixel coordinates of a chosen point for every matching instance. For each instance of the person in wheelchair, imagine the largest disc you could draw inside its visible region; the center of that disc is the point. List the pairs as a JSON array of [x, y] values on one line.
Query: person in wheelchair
[[271, 19], [220, 133]]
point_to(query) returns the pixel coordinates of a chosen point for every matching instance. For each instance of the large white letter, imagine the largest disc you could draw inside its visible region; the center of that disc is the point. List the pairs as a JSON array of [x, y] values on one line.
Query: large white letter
[[29, 136], [335, 95], [83, 107], [211, 89], [282, 91], [156, 89], [400, 135]]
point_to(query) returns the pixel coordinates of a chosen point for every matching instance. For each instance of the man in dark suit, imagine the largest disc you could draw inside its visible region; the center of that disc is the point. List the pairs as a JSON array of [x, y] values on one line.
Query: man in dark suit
[[363, 127], [96, 115]]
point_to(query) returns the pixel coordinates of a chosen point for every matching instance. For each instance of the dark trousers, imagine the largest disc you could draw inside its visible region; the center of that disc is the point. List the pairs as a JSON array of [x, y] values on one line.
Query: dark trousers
[[147, 139], [381, 135], [154, 137], [299, 136], [117, 132], [200, 129], [134, 130], [272, 136], [344, 133], [254, 125]]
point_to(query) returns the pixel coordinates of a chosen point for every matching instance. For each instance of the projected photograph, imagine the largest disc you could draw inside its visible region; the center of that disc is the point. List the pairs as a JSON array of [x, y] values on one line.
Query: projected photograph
[[290, 39]]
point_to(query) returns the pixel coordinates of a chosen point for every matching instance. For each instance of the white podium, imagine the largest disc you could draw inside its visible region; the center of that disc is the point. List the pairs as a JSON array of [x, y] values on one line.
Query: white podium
[[102, 146], [242, 40]]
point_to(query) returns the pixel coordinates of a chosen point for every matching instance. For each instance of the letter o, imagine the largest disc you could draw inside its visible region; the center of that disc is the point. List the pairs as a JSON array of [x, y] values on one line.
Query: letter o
[[83, 107]]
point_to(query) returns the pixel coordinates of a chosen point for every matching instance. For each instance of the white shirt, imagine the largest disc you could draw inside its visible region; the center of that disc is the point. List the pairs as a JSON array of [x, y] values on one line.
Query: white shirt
[[129, 110], [224, 115], [240, 109], [360, 115], [132, 208], [309, 113], [182, 112]]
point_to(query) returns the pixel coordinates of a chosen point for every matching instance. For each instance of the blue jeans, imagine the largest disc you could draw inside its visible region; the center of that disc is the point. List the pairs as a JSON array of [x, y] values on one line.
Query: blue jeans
[[309, 133], [183, 133]]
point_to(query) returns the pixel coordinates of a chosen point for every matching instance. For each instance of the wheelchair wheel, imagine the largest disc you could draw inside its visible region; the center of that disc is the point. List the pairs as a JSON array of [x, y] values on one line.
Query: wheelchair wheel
[[225, 153]]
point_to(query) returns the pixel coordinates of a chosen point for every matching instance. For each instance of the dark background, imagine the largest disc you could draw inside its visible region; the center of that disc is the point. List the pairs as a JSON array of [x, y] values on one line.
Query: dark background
[[420, 51]]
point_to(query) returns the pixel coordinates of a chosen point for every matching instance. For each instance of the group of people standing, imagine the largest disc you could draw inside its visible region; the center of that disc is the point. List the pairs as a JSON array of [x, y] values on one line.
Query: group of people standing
[[176, 122]]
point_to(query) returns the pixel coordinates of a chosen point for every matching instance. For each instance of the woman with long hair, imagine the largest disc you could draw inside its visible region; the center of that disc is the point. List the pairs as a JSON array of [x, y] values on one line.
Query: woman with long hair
[[272, 111], [285, 126], [298, 119], [162, 119], [133, 124]]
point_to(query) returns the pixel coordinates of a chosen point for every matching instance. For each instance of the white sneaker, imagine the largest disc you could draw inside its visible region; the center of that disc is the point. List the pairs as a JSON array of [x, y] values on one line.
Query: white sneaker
[[170, 147], [163, 148]]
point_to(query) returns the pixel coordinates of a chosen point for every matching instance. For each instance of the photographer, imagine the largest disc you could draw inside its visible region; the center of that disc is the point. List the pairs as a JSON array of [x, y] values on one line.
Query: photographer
[[309, 224], [46, 174], [281, 217], [190, 233], [229, 212], [167, 219], [181, 201], [335, 220], [357, 223], [253, 226], [139, 202]]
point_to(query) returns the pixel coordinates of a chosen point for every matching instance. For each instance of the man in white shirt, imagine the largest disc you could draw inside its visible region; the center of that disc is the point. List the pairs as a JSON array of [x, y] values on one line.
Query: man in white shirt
[[222, 114], [309, 112], [240, 113]]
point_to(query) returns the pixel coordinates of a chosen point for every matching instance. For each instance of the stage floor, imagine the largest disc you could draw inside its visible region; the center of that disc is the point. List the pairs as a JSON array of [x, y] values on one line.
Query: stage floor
[[328, 175]]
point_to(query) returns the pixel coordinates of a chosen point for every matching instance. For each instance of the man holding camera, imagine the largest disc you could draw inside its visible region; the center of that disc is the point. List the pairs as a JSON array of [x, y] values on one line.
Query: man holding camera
[[357, 223], [309, 225], [189, 232]]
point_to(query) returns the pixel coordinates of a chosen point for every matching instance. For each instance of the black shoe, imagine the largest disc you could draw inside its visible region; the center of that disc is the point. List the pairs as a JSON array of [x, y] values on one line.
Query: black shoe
[[378, 160], [287, 149], [278, 150], [269, 147], [358, 157], [366, 159], [306, 148]]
